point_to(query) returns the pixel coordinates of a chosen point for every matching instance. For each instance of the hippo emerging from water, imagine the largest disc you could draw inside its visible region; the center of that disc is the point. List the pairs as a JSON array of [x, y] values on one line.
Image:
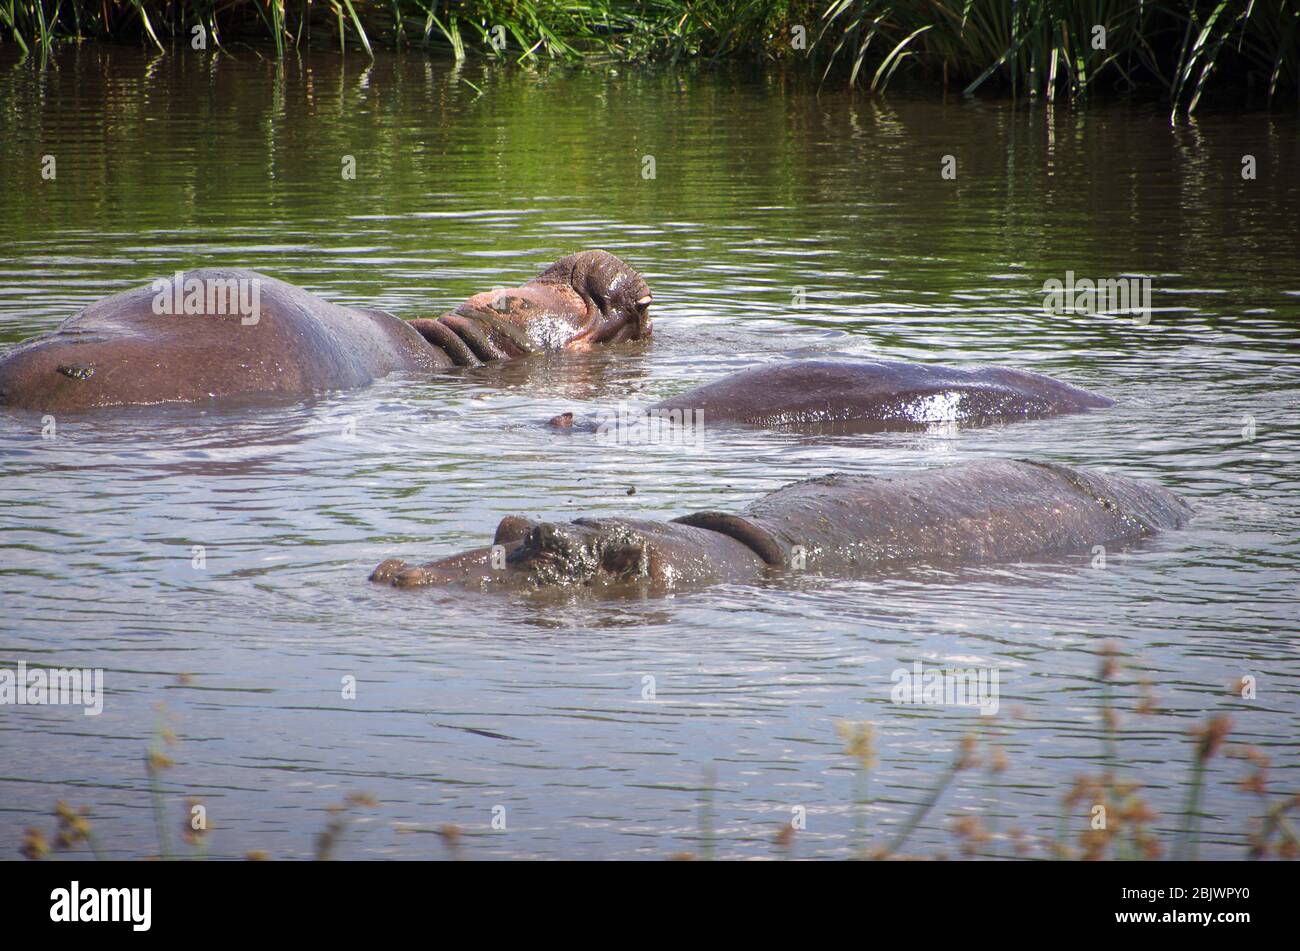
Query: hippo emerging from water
[[221, 332], [995, 511], [874, 396]]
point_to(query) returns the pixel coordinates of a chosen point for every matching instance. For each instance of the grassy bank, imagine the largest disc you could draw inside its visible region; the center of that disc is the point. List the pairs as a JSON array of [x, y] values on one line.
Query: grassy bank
[[1052, 49]]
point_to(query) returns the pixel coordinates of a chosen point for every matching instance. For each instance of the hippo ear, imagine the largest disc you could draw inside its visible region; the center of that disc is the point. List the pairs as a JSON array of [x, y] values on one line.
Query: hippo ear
[[513, 528], [643, 315]]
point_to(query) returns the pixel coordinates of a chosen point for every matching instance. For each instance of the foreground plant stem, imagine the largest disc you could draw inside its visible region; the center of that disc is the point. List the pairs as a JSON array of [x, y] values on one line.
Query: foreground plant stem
[[923, 808]]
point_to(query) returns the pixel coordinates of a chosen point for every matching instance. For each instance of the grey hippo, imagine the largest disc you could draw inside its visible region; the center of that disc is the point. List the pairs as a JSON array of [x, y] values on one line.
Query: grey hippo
[[219, 332], [874, 396], [990, 511]]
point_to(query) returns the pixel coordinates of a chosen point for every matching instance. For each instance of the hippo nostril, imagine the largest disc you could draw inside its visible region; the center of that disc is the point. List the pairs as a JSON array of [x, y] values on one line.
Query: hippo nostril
[[387, 569], [411, 577]]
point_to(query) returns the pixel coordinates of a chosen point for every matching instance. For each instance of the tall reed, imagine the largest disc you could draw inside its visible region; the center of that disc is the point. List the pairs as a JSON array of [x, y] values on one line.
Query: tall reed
[[1054, 49], [1048, 49]]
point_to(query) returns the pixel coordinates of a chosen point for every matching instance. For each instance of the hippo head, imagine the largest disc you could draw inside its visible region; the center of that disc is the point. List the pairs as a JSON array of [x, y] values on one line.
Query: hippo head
[[585, 554], [537, 555], [615, 297], [578, 302]]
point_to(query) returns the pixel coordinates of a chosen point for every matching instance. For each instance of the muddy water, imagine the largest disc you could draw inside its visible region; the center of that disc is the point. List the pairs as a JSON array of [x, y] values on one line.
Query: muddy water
[[212, 560]]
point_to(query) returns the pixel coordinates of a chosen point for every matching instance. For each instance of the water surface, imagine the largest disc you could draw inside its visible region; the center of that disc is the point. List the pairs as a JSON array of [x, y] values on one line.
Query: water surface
[[780, 223]]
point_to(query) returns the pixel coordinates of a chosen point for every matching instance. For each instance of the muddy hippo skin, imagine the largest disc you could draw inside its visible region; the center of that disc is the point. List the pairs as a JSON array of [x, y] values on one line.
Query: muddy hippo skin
[[995, 511], [121, 350], [868, 397]]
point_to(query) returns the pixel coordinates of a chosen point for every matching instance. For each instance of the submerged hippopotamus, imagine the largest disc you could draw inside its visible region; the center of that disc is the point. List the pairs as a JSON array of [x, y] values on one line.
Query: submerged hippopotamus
[[875, 396], [994, 511], [219, 332]]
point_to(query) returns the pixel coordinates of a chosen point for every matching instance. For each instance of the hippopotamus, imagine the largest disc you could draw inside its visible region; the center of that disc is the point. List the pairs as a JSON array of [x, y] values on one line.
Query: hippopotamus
[[875, 396], [989, 511], [223, 331]]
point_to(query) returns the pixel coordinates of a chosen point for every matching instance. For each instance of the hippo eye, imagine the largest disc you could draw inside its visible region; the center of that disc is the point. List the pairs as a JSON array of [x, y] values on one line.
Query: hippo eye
[[626, 558]]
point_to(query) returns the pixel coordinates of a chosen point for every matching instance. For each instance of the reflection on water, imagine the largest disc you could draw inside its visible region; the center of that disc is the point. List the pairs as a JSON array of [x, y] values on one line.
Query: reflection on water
[[779, 224]]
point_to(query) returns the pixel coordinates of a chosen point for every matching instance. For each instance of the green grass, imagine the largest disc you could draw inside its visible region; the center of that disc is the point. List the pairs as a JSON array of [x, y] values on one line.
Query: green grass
[[1056, 49], [1048, 49]]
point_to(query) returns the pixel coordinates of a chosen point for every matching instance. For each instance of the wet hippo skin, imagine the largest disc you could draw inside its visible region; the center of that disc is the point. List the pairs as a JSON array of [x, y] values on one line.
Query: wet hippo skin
[[874, 396], [995, 511], [123, 350]]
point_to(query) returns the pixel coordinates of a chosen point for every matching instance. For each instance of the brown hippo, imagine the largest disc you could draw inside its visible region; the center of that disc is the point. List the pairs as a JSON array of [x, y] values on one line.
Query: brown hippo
[[218, 332], [876, 396], [992, 511]]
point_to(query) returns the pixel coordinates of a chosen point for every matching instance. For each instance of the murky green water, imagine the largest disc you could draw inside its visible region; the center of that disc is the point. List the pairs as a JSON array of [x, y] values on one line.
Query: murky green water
[[761, 188]]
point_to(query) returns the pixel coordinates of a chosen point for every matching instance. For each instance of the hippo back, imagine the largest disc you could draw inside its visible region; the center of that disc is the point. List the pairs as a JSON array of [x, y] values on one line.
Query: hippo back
[[879, 395], [251, 334], [994, 511]]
